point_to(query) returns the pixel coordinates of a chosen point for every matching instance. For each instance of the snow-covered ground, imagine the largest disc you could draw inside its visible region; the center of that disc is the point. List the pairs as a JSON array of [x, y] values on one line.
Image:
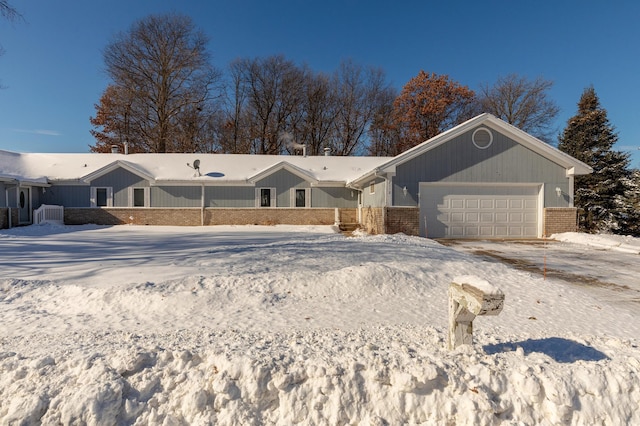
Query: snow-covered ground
[[296, 325]]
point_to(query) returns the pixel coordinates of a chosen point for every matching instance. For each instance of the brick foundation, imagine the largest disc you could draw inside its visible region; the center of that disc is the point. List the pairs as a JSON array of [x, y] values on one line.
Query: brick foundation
[[559, 219], [4, 217], [210, 216], [402, 219]]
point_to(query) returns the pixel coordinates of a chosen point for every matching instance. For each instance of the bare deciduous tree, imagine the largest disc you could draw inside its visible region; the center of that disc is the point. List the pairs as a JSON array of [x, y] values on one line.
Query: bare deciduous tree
[[523, 103], [8, 12], [161, 66], [274, 88], [360, 94]]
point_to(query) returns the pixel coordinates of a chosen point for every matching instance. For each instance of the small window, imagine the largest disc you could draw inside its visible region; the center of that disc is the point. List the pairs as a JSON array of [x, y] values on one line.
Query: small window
[[265, 197], [101, 196], [482, 138], [372, 188], [138, 197], [300, 197]]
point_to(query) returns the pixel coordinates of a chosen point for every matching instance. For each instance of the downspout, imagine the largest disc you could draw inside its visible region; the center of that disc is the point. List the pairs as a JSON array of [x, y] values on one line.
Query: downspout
[[202, 206], [6, 195], [384, 205]]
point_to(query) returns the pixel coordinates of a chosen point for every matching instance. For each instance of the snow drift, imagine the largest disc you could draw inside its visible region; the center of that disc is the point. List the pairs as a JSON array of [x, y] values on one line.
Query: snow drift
[[283, 325]]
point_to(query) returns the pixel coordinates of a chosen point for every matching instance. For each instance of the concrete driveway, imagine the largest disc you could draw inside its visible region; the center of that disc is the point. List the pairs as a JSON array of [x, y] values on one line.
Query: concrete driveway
[[613, 276]]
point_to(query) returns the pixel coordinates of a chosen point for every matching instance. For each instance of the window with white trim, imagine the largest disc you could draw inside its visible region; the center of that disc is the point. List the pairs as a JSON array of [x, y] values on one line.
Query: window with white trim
[[265, 197], [372, 188], [139, 197], [300, 197], [101, 196]]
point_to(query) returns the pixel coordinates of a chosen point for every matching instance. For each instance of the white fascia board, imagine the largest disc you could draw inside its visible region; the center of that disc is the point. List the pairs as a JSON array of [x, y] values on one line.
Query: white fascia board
[[168, 182], [302, 174], [329, 184], [34, 183], [357, 182], [115, 165], [68, 182], [540, 147]]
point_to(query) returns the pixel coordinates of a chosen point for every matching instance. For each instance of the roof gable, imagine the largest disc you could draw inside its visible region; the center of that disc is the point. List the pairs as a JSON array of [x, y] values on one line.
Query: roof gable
[[572, 165], [119, 164], [283, 165]]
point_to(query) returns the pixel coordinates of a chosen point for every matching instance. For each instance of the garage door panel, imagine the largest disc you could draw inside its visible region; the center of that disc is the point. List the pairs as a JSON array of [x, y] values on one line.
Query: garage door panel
[[471, 217], [487, 204], [486, 217], [501, 204], [457, 217], [457, 203], [477, 211]]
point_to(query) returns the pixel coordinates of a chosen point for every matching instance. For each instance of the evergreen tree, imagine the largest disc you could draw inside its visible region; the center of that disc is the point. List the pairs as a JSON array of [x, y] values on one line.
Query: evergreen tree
[[602, 198]]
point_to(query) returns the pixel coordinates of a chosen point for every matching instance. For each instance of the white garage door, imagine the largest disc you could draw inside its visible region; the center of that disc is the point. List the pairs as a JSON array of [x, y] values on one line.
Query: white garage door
[[478, 211]]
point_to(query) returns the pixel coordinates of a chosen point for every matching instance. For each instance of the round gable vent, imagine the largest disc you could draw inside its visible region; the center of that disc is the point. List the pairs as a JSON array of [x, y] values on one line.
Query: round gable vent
[[482, 138]]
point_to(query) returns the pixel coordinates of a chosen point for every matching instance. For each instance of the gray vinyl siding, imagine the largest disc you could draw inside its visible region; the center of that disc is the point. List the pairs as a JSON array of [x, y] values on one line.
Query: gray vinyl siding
[[230, 196], [283, 181], [377, 199], [3, 196], [13, 196], [176, 196], [68, 196], [334, 197], [120, 180], [458, 160], [36, 193]]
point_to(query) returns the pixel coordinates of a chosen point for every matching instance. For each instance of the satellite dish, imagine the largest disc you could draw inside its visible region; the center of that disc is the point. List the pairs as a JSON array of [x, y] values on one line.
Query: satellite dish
[[196, 166]]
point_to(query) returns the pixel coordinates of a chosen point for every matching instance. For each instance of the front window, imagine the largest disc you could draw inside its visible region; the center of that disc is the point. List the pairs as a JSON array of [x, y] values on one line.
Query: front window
[[301, 198], [101, 197], [265, 197]]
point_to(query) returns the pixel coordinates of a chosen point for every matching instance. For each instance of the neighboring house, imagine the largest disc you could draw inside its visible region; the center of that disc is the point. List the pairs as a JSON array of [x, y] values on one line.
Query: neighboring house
[[481, 179]]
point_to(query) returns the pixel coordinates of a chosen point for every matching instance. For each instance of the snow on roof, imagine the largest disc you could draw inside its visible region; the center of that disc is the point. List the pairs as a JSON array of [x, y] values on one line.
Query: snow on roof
[[223, 168]]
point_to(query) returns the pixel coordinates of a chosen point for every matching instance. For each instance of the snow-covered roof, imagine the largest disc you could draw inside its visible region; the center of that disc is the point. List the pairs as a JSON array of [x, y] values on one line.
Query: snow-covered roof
[[214, 168]]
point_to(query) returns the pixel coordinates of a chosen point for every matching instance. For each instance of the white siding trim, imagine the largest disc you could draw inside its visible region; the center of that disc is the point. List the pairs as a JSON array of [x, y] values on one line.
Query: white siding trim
[[307, 197], [94, 195], [273, 195], [147, 197]]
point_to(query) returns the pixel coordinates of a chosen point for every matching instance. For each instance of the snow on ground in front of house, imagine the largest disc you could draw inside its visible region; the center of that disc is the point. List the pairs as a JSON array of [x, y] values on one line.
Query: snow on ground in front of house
[[618, 243], [285, 325]]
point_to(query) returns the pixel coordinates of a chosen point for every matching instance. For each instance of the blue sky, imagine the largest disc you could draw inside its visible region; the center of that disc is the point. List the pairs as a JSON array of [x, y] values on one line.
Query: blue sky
[[52, 68]]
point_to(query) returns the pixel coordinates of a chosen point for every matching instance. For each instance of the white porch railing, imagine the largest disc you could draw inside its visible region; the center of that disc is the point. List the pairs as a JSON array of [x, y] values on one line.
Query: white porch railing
[[48, 214]]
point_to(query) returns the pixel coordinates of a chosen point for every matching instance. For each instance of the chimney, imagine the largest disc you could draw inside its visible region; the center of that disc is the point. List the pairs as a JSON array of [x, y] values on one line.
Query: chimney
[[327, 152], [115, 149], [126, 148]]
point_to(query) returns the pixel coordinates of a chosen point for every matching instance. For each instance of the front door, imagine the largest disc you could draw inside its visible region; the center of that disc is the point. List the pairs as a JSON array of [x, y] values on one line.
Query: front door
[[24, 205]]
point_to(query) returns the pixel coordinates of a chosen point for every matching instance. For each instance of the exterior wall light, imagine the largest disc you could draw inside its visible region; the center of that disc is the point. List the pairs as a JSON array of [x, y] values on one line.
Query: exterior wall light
[[558, 191]]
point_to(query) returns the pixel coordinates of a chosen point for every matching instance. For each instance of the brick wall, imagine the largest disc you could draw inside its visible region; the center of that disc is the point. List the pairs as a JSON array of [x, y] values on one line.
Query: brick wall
[[277, 216], [373, 220], [211, 216], [402, 219], [4, 217], [119, 216], [559, 219]]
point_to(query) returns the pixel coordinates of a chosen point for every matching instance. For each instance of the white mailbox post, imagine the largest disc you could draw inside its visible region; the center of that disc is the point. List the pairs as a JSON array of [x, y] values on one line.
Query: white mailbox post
[[470, 296]]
